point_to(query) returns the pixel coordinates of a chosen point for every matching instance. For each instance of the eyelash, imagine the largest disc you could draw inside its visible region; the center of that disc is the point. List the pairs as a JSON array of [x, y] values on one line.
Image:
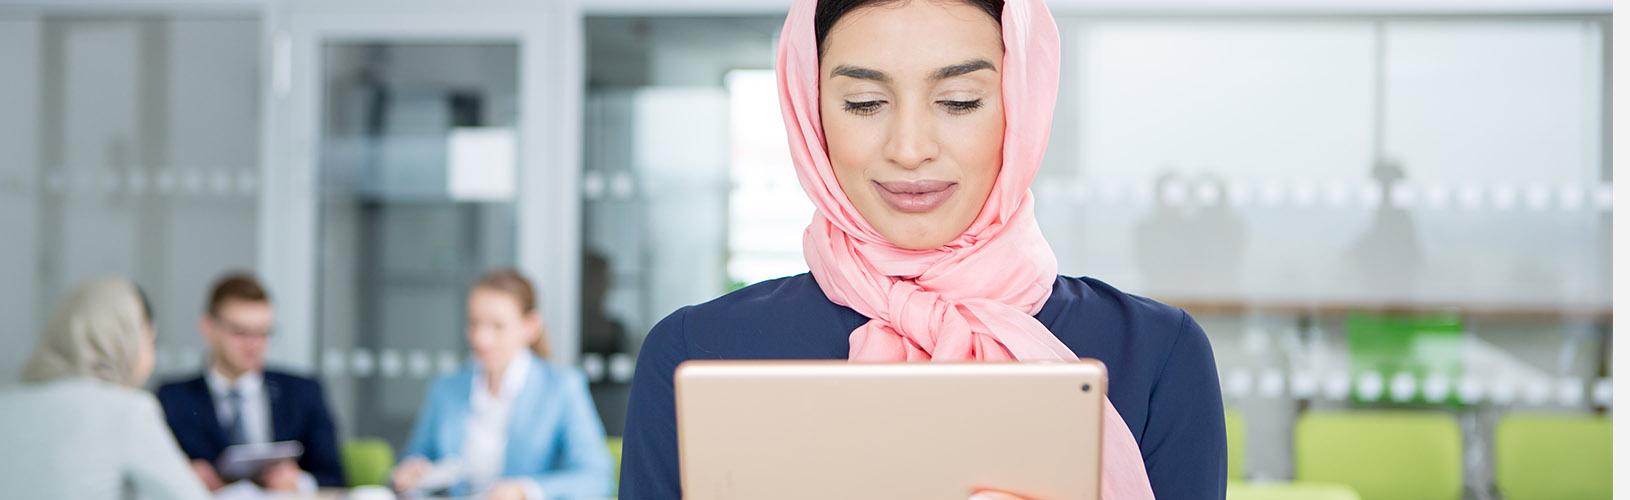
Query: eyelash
[[963, 107], [868, 108], [864, 108]]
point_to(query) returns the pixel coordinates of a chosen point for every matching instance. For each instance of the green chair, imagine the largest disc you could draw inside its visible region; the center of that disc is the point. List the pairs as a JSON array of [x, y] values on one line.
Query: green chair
[[1382, 455], [1554, 457], [367, 461], [1299, 490], [615, 444], [1236, 443]]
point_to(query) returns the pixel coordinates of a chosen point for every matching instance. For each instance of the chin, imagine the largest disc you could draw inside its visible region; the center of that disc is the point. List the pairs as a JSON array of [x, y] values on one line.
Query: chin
[[920, 231], [918, 240]]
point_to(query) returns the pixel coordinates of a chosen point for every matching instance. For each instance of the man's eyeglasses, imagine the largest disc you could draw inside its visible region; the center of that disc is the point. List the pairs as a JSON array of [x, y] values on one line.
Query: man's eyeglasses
[[240, 331]]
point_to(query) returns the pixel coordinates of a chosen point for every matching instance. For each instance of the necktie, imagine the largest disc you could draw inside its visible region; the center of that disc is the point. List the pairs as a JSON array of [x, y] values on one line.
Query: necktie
[[236, 433]]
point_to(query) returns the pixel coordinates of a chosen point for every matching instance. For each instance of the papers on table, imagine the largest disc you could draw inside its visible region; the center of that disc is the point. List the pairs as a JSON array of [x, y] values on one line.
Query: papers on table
[[442, 475]]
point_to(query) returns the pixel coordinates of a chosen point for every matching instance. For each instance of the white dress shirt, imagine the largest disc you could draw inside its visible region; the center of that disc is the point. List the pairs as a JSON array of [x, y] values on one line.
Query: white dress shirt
[[257, 407], [488, 427]]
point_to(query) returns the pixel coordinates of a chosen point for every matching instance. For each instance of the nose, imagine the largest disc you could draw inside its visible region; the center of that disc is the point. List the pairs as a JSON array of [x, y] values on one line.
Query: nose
[[913, 139], [479, 339]]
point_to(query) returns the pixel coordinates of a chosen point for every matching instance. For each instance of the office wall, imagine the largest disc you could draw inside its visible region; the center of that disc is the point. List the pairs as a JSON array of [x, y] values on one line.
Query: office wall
[[398, 246], [1363, 161], [135, 140], [19, 113], [658, 157]]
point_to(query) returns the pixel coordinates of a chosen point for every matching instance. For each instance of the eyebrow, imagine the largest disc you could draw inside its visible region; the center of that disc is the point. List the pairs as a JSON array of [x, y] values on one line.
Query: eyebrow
[[951, 71], [860, 73], [956, 70]]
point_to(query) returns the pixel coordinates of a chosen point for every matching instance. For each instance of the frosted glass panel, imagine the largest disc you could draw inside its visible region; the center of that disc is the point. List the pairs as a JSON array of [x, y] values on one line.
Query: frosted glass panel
[[1245, 99], [1358, 162], [129, 146], [1518, 102], [401, 241]]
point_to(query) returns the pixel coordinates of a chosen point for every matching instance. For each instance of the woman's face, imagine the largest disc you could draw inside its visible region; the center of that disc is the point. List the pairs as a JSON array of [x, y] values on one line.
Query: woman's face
[[911, 105], [497, 328]]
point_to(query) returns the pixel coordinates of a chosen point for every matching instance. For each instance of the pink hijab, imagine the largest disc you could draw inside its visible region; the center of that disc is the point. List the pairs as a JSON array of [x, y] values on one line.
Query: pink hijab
[[974, 298]]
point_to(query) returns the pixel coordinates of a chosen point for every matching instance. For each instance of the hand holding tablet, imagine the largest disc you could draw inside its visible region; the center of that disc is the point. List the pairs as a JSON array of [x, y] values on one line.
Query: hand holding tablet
[[248, 461]]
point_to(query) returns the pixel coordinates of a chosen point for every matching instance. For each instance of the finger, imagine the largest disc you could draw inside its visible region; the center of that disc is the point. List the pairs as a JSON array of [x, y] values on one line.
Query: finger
[[994, 495]]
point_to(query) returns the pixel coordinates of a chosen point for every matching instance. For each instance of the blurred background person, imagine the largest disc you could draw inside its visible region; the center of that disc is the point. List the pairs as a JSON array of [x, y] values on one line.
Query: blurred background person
[[510, 426], [80, 426], [238, 401], [603, 333]]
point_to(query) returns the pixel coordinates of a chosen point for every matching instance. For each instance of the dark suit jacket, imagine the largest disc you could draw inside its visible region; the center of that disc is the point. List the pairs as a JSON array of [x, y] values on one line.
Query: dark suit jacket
[[299, 413]]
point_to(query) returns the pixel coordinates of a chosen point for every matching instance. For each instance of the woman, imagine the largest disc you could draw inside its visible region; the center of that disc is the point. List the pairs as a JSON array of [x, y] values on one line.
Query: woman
[[511, 426], [80, 426], [916, 128]]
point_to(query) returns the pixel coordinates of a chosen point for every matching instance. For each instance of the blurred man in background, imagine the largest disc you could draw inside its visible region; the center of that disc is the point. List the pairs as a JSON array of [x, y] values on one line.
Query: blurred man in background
[[238, 401]]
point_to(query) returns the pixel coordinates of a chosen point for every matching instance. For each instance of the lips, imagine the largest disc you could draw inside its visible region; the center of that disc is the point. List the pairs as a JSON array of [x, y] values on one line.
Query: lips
[[915, 196]]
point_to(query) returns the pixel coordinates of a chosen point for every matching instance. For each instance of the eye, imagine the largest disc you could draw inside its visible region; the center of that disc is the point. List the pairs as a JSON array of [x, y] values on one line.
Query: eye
[[863, 108], [962, 107]]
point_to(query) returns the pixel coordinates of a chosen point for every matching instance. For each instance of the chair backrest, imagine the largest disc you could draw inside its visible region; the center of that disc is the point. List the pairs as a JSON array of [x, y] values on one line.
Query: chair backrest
[[367, 461], [1236, 443], [1383, 455], [1298, 490], [615, 444], [1554, 457]]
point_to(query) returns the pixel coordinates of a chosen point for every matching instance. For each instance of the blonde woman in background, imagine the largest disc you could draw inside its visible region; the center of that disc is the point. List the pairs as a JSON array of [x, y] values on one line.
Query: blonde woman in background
[[80, 426], [511, 426]]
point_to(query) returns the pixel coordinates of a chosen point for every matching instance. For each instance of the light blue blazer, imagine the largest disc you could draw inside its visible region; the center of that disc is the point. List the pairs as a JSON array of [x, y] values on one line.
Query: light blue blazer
[[555, 436]]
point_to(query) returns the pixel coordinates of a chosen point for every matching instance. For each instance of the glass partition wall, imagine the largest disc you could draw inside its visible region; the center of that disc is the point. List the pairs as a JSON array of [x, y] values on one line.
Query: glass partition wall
[[418, 188], [129, 145], [658, 178], [421, 144]]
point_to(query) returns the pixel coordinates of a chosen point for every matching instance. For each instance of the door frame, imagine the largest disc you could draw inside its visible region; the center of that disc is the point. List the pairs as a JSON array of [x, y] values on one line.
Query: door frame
[[549, 35]]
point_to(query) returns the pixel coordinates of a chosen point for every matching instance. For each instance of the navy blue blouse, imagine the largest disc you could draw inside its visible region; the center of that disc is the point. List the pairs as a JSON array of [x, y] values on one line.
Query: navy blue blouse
[[1162, 377]]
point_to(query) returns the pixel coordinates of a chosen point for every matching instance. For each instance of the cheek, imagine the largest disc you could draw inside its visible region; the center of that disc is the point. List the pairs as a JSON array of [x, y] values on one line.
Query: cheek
[[505, 338], [986, 131], [982, 156], [850, 169], [851, 147]]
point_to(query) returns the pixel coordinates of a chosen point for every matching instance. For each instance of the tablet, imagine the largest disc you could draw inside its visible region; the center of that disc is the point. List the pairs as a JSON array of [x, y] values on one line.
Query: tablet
[[834, 429], [247, 461]]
